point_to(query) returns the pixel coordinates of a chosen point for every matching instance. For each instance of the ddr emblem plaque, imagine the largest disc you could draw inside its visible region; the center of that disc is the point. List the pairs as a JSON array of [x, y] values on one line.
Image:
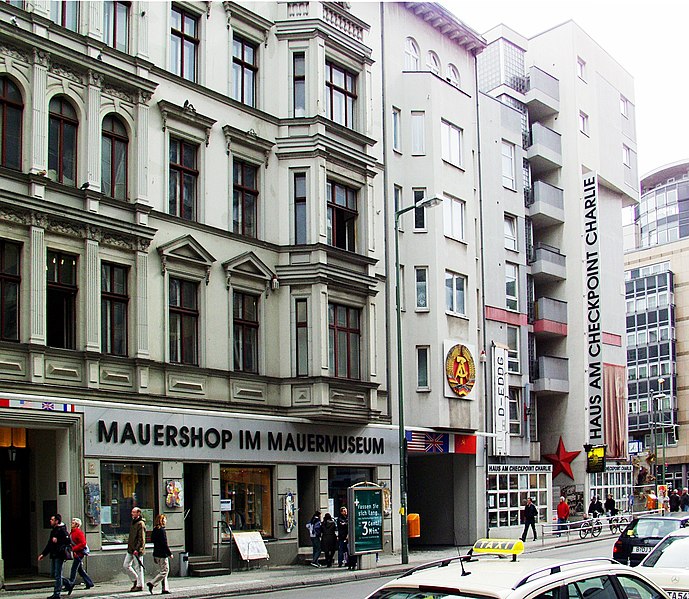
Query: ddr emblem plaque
[[460, 370]]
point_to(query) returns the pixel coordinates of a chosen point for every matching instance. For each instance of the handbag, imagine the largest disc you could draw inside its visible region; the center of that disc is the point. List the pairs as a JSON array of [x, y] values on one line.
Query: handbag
[[67, 552], [86, 550]]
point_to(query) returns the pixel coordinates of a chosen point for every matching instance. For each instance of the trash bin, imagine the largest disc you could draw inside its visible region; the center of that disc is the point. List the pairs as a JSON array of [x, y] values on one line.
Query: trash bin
[[184, 563], [413, 526]]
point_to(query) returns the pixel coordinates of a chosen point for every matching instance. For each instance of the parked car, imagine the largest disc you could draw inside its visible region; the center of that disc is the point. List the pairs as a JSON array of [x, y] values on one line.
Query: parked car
[[668, 564], [490, 578], [642, 534]]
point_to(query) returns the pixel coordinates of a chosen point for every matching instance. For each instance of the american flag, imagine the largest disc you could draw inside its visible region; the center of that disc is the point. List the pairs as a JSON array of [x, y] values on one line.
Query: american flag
[[427, 442]]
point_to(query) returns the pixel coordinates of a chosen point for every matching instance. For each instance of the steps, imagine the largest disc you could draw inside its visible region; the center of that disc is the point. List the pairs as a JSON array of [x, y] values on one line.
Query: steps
[[205, 565]]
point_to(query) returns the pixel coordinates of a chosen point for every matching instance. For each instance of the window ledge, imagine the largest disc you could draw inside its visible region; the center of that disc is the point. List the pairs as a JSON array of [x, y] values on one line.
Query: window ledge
[[459, 167], [456, 315]]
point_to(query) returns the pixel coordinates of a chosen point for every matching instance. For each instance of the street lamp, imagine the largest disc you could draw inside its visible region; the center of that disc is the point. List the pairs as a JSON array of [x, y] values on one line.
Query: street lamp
[[422, 203], [654, 423], [661, 382]]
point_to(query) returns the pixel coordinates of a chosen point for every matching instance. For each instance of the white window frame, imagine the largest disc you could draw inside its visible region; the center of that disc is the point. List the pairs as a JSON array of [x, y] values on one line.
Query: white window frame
[[626, 155], [419, 193], [513, 362], [397, 130], [624, 106], [583, 122], [452, 138], [433, 62], [421, 285], [411, 55], [452, 75], [454, 216], [423, 367], [581, 68], [511, 278], [418, 133], [511, 239], [452, 302], [515, 397], [509, 171]]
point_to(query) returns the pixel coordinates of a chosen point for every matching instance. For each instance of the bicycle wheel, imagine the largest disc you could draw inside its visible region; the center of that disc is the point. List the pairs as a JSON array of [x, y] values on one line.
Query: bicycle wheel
[[596, 528], [584, 529], [614, 525]]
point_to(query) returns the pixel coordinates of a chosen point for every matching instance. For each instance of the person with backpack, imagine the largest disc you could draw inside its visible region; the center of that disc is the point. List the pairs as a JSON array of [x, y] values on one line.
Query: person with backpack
[[56, 547], [314, 526]]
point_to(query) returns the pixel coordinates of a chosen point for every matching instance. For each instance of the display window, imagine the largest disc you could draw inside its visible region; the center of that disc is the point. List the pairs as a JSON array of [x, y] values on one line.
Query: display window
[[507, 495], [245, 498], [339, 480], [123, 487]]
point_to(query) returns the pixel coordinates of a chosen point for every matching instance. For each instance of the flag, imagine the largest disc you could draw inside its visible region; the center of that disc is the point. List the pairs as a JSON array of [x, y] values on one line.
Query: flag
[[465, 444], [428, 442]]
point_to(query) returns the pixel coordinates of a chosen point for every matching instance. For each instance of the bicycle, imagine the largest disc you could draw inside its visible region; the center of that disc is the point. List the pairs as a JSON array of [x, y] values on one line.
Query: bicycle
[[617, 524], [590, 526]]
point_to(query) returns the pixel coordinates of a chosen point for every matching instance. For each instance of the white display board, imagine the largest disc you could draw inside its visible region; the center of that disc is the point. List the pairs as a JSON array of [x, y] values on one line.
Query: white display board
[[250, 545]]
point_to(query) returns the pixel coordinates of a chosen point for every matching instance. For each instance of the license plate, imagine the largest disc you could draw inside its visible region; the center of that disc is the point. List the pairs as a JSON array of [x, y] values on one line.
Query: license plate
[[678, 594], [641, 549]]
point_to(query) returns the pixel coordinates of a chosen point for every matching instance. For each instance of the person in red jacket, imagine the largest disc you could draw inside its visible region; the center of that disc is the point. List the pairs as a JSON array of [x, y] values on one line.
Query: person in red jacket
[[78, 548], [562, 515]]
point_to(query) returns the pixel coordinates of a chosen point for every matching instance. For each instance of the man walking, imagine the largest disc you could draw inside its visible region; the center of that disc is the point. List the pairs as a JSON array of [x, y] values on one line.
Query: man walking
[[342, 532], [55, 548], [562, 515], [133, 561], [684, 500], [530, 513]]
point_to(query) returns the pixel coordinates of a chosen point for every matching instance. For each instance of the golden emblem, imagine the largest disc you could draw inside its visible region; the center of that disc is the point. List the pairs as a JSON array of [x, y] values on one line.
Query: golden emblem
[[460, 370]]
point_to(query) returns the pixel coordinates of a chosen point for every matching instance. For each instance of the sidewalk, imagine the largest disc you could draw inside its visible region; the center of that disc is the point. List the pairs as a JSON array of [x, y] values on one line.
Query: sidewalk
[[267, 578]]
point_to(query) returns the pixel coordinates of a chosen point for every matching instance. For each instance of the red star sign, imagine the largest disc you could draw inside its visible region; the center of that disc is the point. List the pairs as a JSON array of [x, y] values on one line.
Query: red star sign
[[561, 460]]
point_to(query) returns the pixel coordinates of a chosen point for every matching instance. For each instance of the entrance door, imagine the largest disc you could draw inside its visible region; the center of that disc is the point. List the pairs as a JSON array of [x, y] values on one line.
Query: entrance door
[[307, 495], [14, 511], [198, 528]]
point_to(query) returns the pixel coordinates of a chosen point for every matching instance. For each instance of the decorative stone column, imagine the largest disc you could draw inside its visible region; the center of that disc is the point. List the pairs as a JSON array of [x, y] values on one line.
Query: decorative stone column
[[92, 287]]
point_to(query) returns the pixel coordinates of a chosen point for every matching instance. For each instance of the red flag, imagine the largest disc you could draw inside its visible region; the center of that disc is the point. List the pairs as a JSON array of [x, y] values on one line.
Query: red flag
[[465, 444]]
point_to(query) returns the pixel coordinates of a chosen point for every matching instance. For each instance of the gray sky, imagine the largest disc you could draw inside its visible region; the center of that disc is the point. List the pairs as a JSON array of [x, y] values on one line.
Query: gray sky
[[649, 39]]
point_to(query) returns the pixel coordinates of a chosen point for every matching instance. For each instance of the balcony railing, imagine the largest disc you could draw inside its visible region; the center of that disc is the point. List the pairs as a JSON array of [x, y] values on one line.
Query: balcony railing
[[550, 374], [548, 205]]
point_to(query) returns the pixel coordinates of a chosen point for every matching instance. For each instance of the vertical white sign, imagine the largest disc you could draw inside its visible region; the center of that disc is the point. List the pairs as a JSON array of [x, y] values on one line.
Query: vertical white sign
[[501, 402]]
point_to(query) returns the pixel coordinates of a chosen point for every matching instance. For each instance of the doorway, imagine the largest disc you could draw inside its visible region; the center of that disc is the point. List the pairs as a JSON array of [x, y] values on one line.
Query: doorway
[[307, 495], [15, 502], [197, 513]]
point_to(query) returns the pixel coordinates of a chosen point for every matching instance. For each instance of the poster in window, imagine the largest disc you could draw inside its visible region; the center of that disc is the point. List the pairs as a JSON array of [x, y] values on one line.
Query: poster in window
[[174, 493], [92, 500]]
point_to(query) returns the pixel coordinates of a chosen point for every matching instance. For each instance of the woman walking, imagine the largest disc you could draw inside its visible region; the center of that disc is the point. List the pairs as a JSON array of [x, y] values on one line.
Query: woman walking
[[161, 555], [314, 526], [328, 539], [79, 549]]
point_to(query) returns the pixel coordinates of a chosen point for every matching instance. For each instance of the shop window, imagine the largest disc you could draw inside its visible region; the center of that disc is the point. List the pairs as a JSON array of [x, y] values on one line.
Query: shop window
[[9, 290], [246, 498], [61, 300], [11, 109], [340, 479], [123, 487]]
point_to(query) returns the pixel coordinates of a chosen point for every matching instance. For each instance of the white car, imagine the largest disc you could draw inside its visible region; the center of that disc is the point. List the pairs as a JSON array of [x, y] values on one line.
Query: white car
[[467, 577], [668, 564]]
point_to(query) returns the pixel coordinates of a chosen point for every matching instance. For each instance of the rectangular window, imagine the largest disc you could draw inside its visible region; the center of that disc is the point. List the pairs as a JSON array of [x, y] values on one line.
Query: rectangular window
[[581, 68], [65, 13], [244, 198], [184, 319], [626, 156], [455, 293], [244, 69], [246, 497], [344, 341], [61, 300], [124, 485], [116, 24], [299, 84], [453, 217], [418, 135], [511, 232], [300, 219], [342, 216], [511, 286], [10, 280], [420, 212], [422, 378], [183, 177], [421, 282], [301, 323], [340, 94], [509, 177], [624, 106], [451, 143], [513, 349], [184, 43], [515, 411], [114, 302], [396, 130], [397, 199], [245, 315], [584, 122]]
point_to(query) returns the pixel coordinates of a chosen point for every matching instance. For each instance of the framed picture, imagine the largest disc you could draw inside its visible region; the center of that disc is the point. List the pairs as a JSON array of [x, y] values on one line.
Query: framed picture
[[174, 493]]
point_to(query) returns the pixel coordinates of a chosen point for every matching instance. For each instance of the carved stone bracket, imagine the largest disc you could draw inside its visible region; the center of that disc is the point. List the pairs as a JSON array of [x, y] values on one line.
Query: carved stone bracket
[[186, 114], [249, 139]]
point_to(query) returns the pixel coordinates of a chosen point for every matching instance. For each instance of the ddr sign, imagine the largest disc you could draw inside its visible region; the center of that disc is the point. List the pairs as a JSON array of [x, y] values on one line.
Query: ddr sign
[[365, 518]]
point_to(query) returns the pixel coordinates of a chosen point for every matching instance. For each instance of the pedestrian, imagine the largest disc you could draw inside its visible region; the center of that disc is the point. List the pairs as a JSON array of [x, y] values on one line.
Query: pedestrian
[[342, 523], [133, 560], [314, 526], [80, 550], [674, 501], [562, 515], [56, 547], [530, 513], [610, 505], [595, 507], [161, 555], [684, 500], [328, 539], [663, 499]]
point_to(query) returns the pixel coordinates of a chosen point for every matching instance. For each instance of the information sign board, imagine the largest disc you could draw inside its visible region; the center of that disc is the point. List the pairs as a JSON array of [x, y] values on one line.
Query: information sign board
[[365, 518]]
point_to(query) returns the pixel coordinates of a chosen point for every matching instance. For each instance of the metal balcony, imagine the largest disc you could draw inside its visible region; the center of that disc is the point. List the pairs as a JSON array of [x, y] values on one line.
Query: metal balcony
[[550, 318], [542, 95], [548, 205], [550, 375], [545, 151], [547, 263]]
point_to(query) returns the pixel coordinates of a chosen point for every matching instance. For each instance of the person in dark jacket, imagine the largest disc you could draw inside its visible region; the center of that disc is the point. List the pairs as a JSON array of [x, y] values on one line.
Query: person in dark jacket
[[314, 526], [610, 506], [342, 532], [328, 539], [78, 548], [595, 507], [674, 501], [135, 551], [530, 513], [161, 555], [55, 548]]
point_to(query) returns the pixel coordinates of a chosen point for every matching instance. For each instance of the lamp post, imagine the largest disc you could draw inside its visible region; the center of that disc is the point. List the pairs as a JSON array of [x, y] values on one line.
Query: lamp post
[[661, 382], [422, 203]]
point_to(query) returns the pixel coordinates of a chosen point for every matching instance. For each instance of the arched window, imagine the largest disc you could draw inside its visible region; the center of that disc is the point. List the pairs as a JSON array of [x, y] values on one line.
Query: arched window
[[62, 141], [453, 75], [11, 108], [411, 55], [433, 63], [114, 158]]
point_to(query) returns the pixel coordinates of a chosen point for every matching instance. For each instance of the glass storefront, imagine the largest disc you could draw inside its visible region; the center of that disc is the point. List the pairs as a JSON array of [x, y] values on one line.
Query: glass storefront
[[245, 498], [507, 493], [123, 487], [339, 480]]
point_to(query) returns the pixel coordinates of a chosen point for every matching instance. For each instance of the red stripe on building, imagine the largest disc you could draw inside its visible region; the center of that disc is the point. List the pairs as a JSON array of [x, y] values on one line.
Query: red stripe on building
[[502, 315]]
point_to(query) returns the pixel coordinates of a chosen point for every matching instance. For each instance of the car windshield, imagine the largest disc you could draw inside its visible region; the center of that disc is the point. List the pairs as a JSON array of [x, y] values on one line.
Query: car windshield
[[652, 527], [428, 593], [672, 552]]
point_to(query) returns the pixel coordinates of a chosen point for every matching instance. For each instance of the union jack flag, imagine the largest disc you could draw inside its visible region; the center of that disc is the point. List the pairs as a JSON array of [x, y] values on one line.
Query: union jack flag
[[427, 442]]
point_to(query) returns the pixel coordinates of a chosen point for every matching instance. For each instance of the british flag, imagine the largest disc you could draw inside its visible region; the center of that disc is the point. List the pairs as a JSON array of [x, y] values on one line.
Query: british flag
[[427, 442]]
